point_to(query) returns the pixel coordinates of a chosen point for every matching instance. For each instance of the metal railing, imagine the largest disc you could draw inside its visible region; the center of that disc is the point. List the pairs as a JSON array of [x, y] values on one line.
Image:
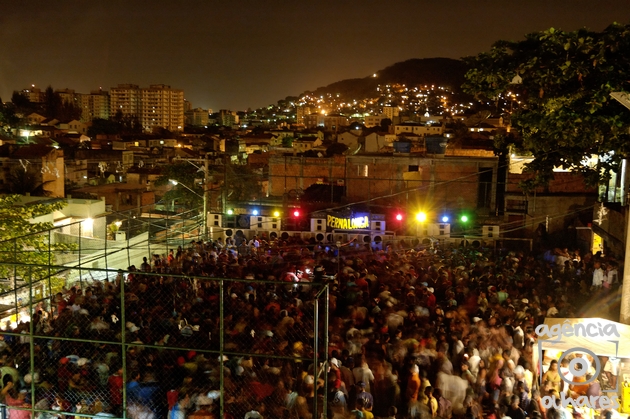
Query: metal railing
[[83, 336]]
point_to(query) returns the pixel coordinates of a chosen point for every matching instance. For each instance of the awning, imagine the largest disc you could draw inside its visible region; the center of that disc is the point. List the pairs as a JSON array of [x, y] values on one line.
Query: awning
[[595, 334]]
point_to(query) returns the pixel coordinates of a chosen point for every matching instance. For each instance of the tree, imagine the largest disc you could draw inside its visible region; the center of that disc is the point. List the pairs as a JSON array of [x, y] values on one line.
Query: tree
[[564, 81], [287, 142], [119, 124], [242, 183], [20, 242], [21, 104], [336, 148], [8, 115], [103, 126], [25, 181], [52, 103], [69, 111]]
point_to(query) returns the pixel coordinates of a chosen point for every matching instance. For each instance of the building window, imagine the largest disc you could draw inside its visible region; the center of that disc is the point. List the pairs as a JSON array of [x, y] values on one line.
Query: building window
[[413, 168], [362, 170]]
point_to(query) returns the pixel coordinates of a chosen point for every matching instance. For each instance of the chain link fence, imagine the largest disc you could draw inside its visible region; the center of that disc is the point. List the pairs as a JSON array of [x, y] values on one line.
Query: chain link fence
[[82, 336]]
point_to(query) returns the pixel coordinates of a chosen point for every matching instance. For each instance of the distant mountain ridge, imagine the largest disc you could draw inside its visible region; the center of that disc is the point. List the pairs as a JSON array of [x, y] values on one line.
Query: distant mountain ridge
[[446, 72]]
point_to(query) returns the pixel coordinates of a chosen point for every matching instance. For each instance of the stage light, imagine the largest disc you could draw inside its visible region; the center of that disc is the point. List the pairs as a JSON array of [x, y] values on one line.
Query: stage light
[[255, 212], [445, 219], [399, 217], [296, 213], [421, 217], [276, 214]]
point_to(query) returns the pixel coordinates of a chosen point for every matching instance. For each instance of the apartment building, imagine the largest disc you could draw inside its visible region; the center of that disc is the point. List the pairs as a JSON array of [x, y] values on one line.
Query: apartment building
[[126, 99], [156, 106], [96, 104], [34, 94], [418, 129], [197, 117], [374, 121], [67, 95], [161, 107]]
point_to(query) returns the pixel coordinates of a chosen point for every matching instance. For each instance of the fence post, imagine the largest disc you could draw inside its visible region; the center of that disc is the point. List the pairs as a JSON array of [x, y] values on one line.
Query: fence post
[[31, 343], [123, 349], [15, 277], [181, 229], [148, 227], [315, 357], [326, 316], [128, 237], [166, 230], [80, 257], [50, 290], [221, 331]]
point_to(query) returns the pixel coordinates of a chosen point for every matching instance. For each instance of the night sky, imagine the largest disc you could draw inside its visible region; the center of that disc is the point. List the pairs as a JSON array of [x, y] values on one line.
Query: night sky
[[235, 55]]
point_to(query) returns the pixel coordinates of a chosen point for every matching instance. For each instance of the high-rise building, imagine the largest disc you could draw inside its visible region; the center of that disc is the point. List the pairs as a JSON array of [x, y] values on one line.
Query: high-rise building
[[158, 106], [390, 112], [94, 105], [197, 117], [126, 99], [34, 94], [162, 107], [67, 95], [227, 118], [301, 113]]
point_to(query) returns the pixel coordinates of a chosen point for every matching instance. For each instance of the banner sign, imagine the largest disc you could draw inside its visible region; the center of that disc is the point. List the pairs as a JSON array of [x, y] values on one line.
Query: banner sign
[[336, 223]]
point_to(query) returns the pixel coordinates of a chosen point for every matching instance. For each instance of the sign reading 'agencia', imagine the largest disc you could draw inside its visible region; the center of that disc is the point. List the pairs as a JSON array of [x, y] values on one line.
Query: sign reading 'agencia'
[[582, 372]]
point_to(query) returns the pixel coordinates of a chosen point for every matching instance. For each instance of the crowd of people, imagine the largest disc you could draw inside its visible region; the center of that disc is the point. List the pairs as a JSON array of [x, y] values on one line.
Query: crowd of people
[[430, 331]]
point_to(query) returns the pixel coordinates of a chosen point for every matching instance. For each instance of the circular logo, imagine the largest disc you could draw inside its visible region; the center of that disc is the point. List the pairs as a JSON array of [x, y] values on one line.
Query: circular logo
[[584, 366]]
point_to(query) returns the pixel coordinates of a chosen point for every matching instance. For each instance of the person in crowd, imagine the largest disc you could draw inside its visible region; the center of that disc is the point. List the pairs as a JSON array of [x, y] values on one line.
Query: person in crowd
[[365, 409], [552, 376], [179, 409], [400, 319]]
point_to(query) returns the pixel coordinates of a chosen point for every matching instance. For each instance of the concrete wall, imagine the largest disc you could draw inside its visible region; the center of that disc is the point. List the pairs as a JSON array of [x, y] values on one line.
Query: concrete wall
[[564, 212], [445, 182], [288, 173], [563, 182]]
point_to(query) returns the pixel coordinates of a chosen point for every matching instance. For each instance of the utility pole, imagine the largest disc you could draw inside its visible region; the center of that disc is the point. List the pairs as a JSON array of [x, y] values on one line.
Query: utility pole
[[206, 180], [624, 309]]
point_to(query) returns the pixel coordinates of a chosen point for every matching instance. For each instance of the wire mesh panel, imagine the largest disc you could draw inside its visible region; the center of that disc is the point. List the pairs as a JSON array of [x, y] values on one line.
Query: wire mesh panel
[[161, 335]]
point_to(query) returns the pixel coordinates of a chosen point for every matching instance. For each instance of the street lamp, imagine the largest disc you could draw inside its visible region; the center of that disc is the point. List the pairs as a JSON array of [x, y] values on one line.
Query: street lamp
[[204, 197]]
